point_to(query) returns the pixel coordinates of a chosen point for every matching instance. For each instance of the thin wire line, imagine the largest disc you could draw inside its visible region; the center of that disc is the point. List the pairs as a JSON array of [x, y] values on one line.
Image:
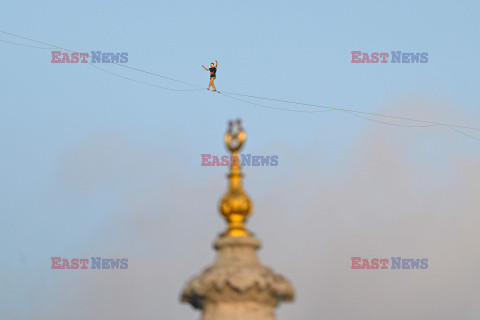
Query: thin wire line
[[145, 83], [391, 124], [355, 111], [24, 45], [159, 75], [91, 64], [461, 132], [270, 107], [114, 63]]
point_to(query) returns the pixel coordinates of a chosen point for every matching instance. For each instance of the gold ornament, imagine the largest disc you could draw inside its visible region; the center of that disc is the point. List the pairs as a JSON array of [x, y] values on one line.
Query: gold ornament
[[235, 206]]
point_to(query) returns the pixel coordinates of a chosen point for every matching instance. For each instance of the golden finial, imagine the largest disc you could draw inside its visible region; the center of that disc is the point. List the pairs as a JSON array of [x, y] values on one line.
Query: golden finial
[[235, 206]]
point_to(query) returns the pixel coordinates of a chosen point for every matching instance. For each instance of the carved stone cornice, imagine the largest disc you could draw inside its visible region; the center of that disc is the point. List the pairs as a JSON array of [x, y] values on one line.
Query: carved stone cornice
[[237, 284]]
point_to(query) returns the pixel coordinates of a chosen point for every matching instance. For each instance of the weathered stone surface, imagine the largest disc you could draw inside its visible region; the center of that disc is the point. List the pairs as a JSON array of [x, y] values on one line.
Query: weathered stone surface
[[237, 286]]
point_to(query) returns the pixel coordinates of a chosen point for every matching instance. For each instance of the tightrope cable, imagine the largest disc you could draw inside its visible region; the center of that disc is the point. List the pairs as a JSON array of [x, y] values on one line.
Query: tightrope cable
[[359, 114]]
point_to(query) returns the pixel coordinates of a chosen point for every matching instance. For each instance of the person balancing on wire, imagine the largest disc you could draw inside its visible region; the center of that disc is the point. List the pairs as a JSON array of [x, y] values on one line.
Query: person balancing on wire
[[213, 72]]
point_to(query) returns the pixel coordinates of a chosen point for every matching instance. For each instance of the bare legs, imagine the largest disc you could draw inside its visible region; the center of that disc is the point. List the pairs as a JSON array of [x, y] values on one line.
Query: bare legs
[[211, 84]]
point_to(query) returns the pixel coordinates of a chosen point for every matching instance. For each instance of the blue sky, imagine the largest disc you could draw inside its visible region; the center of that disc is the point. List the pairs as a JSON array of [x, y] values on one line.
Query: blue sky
[[79, 145]]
